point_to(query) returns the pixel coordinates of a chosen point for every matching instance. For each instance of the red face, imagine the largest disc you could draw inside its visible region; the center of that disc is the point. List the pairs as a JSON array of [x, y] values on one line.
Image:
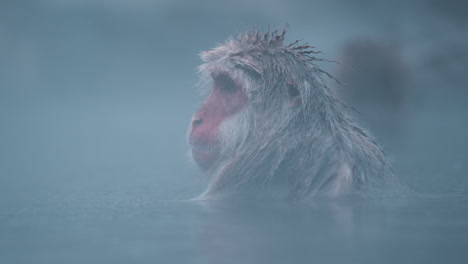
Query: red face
[[226, 99]]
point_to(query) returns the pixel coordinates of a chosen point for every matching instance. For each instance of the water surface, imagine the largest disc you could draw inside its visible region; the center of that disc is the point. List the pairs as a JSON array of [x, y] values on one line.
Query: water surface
[[121, 228]]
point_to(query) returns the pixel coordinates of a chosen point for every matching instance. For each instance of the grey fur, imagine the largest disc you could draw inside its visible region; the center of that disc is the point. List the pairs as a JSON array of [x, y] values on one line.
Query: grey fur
[[309, 150]]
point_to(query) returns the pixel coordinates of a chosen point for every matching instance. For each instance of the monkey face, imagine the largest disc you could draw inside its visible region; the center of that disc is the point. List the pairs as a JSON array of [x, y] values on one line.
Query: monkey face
[[225, 100]]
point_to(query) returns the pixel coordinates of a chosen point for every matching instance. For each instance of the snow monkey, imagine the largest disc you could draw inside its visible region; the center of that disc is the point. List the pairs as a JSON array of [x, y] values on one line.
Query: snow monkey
[[271, 126]]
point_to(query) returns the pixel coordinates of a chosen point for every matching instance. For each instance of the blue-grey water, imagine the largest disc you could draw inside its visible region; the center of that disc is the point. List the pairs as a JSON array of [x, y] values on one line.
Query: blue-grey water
[[123, 228], [95, 101]]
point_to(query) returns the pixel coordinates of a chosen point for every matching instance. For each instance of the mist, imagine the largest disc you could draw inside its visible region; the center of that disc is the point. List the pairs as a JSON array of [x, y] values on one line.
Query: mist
[[96, 98]]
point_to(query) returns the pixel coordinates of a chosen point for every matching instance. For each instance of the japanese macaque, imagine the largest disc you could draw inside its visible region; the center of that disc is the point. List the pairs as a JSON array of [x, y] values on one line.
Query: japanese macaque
[[270, 126]]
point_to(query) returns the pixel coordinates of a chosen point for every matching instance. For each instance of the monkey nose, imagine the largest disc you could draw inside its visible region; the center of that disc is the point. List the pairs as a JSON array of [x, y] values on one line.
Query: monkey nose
[[197, 122]]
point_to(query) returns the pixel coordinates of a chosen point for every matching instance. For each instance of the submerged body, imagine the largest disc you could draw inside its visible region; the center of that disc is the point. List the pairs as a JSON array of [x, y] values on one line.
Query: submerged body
[[271, 126]]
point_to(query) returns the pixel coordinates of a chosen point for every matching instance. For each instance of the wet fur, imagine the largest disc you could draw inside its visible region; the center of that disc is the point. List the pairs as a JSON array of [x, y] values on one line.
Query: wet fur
[[311, 149]]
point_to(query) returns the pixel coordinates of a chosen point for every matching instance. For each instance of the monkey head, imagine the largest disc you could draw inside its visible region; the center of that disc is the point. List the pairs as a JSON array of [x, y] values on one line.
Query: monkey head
[[239, 71]]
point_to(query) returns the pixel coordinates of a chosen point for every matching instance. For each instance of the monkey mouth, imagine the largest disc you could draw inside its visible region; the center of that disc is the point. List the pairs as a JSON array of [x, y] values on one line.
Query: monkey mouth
[[205, 154]]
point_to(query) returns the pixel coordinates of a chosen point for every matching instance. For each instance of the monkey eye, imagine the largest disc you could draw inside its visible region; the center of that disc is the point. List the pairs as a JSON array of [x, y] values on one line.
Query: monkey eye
[[226, 83], [292, 90]]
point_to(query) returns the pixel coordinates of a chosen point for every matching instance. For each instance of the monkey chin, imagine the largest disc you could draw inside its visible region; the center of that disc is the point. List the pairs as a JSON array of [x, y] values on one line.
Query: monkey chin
[[204, 156]]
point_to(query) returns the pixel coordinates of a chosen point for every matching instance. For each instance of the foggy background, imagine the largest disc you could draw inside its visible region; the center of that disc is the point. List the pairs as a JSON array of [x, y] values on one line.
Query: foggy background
[[96, 96]]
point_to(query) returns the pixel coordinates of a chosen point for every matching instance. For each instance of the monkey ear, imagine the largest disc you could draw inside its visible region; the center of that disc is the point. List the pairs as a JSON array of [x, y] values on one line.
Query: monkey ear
[[294, 96]]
